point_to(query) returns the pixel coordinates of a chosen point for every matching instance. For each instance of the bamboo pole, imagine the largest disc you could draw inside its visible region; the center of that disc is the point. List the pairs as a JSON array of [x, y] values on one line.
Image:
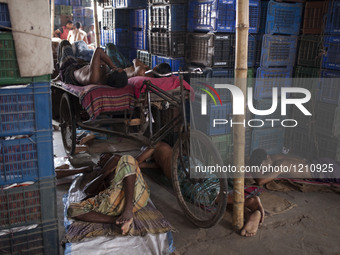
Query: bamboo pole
[[241, 69], [96, 25], [52, 18]]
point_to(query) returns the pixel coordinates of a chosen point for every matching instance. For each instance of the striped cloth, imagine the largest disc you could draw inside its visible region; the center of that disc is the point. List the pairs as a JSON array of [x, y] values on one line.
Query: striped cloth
[[111, 201]]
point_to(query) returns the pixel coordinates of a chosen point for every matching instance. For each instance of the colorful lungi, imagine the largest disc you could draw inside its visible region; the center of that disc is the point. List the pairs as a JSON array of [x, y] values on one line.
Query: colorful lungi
[[111, 201]]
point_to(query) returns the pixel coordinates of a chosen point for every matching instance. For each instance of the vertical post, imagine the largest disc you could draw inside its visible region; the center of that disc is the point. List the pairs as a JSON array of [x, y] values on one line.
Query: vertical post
[[52, 18], [241, 69], [96, 25]]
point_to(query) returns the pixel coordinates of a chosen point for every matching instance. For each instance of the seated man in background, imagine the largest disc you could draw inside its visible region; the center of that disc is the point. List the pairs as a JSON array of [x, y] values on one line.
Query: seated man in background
[[77, 34], [63, 31], [100, 70], [299, 167]]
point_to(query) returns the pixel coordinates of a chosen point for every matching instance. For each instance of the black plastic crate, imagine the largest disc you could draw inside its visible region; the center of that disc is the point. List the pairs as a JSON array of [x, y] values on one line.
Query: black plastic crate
[[310, 51], [327, 119], [328, 146], [314, 17], [145, 57], [306, 72], [170, 44], [168, 17], [300, 142], [40, 240], [32, 204], [113, 18]]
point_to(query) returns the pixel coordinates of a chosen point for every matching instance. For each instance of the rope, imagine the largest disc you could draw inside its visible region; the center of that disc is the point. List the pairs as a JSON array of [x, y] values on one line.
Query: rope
[[24, 32]]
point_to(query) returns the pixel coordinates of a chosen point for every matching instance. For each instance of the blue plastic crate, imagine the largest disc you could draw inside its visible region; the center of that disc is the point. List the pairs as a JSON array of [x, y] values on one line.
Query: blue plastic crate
[[254, 15], [226, 14], [139, 18], [76, 2], [175, 63], [267, 78], [331, 59], [25, 109], [26, 159], [263, 17], [139, 40], [130, 3], [107, 36], [329, 88], [121, 37], [40, 240], [205, 123], [333, 18], [278, 51], [283, 18], [86, 3], [62, 2], [4, 15], [202, 15], [88, 21], [167, 17], [32, 204], [128, 53], [78, 11], [78, 19], [265, 104], [269, 139]]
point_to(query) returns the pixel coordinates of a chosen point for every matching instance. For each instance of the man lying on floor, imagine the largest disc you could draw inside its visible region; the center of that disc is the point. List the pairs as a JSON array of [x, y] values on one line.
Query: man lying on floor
[[117, 193], [300, 167], [112, 202]]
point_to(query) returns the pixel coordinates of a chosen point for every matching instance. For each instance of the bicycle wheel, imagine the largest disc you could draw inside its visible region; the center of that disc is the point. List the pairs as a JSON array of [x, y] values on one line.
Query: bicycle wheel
[[203, 200], [67, 124]]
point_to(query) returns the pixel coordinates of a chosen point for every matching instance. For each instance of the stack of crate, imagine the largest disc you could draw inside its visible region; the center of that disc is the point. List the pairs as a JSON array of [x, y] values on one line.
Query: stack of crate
[[327, 111], [167, 26], [281, 24], [211, 46], [74, 10], [26, 154], [124, 24], [82, 13]]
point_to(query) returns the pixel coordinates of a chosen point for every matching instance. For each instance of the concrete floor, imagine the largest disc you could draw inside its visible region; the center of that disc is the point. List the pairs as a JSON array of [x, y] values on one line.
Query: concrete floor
[[312, 227]]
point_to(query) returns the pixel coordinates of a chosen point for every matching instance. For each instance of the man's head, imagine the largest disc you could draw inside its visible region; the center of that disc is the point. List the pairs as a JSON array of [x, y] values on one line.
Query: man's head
[[162, 68], [257, 157], [104, 157], [78, 25], [117, 79], [69, 25]]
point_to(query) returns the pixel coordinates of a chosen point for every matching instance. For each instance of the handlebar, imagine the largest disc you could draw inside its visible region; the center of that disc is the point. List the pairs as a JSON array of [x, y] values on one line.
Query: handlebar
[[195, 71]]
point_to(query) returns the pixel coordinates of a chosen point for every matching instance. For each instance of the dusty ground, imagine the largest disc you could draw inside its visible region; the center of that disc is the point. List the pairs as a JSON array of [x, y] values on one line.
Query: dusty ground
[[312, 227]]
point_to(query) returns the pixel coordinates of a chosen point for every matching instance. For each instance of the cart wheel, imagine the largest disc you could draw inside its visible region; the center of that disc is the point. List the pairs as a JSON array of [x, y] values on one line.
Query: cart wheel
[[67, 124], [203, 200]]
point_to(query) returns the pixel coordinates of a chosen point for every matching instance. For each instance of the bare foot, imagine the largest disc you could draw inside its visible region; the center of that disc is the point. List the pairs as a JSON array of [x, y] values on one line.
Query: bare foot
[[252, 225], [253, 204], [126, 219], [126, 226]]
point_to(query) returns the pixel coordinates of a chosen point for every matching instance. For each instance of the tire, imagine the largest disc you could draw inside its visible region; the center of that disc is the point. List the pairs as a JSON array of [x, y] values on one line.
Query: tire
[[67, 124], [197, 197]]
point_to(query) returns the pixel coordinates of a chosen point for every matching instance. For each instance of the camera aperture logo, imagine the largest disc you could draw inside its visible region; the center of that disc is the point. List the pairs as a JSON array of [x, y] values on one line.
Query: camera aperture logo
[[238, 101]]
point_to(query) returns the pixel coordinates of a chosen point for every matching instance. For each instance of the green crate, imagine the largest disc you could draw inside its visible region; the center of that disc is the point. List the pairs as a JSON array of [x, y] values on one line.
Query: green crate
[[306, 72], [9, 70], [65, 9], [306, 78]]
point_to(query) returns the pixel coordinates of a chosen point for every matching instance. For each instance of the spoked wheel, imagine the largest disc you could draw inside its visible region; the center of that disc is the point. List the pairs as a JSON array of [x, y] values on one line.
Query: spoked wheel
[[67, 124], [203, 200]]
